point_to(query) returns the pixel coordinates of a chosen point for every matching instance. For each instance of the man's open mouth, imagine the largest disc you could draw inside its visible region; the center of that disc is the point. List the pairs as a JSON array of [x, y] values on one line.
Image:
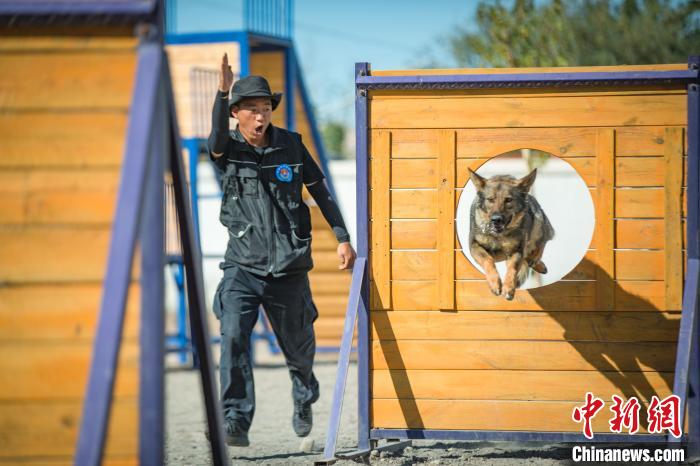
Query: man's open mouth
[[258, 130]]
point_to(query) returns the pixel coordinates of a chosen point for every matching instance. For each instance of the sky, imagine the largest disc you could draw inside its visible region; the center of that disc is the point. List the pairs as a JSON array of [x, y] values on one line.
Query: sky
[[330, 36]]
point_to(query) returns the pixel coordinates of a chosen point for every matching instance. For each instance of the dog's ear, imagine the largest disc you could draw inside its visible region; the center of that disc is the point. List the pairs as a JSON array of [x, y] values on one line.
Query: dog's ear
[[525, 183], [478, 181]]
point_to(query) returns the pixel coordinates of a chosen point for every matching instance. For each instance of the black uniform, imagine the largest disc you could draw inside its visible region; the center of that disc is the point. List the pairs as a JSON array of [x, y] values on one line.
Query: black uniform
[[267, 258]]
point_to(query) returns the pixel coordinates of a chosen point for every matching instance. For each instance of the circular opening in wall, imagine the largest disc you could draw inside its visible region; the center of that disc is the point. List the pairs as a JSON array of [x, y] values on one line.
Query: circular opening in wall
[[547, 215]]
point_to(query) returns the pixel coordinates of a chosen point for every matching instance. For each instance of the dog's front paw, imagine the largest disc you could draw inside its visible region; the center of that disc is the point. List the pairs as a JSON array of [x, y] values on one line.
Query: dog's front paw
[[494, 282], [509, 293]]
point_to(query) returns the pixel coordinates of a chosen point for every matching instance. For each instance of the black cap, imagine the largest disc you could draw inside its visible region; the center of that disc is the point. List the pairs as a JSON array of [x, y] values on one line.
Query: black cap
[[253, 86]]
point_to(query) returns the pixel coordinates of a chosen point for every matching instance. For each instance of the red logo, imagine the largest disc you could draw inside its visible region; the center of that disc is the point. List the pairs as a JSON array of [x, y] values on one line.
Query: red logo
[[587, 412]]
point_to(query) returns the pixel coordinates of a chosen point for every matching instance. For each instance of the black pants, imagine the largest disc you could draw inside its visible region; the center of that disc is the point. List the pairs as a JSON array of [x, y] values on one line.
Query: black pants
[[291, 312]]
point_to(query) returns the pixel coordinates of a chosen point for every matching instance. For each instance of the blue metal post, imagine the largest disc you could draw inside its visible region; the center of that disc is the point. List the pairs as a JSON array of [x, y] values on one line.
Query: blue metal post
[[290, 74], [152, 334], [693, 247], [96, 408], [192, 147], [358, 279], [244, 44], [183, 339], [361, 130]]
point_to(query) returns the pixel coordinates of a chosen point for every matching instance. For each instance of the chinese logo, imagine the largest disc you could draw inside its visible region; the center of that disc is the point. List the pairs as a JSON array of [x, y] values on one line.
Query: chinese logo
[[662, 415]]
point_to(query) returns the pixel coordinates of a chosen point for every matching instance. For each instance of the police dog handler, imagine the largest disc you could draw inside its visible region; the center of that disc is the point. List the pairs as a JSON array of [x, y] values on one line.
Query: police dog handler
[[268, 256]]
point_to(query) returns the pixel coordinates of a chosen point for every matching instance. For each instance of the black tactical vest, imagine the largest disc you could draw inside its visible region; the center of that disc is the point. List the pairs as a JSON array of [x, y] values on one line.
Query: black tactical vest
[[269, 225]]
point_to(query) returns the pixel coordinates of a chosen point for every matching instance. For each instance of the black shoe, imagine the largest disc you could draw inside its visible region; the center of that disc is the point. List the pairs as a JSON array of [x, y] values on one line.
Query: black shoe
[[302, 420], [235, 437]]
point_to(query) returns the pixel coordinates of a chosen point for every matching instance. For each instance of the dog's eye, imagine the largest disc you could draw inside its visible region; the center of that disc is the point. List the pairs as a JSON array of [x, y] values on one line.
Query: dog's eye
[[508, 199], [490, 199]]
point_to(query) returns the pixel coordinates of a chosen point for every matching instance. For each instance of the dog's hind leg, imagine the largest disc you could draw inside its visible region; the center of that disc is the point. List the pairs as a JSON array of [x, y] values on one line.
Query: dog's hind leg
[[535, 260]]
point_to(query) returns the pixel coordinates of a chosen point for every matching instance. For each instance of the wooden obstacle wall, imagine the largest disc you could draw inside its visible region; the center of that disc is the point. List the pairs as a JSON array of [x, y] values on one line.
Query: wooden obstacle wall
[[64, 107], [447, 354]]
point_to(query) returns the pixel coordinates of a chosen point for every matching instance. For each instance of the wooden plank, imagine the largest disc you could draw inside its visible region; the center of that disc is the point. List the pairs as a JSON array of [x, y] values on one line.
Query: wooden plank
[[66, 139], [58, 370], [639, 141], [545, 416], [331, 305], [381, 201], [490, 142], [66, 312], [638, 295], [414, 173], [673, 237], [514, 111], [446, 219], [584, 166], [639, 203], [521, 325], [519, 355], [629, 234], [639, 171], [630, 295], [413, 234], [605, 233], [515, 385], [113, 460], [639, 265], [414, 203], [636, 233], [414, 265], [37, 254], [41, 196], [51, 81], [325, 283], [423, 265], [475, 295], [35, 429], [414, 143], [74, 43]]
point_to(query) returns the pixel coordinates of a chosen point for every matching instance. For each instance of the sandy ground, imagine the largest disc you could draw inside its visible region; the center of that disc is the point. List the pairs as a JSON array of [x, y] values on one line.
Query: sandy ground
[[272, 440]]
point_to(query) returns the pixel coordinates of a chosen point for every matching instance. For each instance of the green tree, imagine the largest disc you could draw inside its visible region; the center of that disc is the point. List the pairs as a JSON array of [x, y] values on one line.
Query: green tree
[[333, 134], [526, 33]]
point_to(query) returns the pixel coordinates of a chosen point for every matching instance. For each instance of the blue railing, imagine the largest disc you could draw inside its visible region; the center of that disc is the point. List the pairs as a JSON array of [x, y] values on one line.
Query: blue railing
[[269, 17]]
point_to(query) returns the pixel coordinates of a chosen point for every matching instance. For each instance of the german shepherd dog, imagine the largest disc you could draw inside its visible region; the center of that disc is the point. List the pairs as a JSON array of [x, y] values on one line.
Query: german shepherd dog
[[507, 223]]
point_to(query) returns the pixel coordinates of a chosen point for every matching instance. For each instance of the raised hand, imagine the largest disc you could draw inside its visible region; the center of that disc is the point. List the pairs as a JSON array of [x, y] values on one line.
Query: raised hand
[[226, 76]]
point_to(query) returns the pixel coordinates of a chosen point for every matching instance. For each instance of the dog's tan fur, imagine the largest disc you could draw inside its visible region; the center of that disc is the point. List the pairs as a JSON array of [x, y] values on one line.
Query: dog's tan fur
[[507, 223]]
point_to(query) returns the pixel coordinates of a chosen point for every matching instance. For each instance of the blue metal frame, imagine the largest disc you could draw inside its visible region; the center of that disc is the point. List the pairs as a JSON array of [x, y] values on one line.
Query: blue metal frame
[[362, 139], [152, 133], [358, 279], [687, 370], [66, 7], [691, 369], [465, 81], [97, 404], [152, 334], [290, 74]]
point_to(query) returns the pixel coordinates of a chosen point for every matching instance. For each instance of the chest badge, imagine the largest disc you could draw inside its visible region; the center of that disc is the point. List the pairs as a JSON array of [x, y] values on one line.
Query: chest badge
[[284, 173]]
